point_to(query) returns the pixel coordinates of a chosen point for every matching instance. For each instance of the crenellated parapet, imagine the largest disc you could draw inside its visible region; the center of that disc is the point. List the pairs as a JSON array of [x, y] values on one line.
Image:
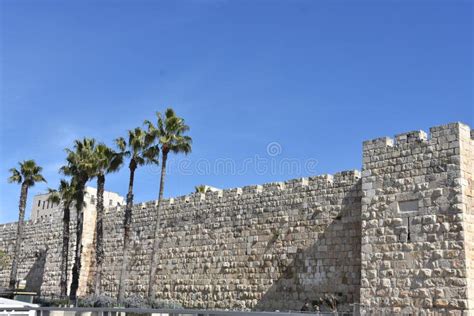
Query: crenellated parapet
[[320, 182], [443, 134], [396, 237]]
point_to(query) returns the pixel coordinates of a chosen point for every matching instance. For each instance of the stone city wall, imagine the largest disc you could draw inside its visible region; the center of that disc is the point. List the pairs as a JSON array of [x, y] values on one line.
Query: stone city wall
[[40, 258], [416, 224], [399, 237], [275, 246]]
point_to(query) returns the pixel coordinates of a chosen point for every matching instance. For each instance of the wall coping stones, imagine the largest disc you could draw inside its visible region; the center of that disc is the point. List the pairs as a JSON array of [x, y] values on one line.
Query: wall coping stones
[[436, 135]]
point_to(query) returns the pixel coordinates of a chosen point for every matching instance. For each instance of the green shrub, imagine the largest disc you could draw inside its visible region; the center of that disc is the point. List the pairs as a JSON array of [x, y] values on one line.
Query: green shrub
[[52, 302], [97, 301], [135, 301]]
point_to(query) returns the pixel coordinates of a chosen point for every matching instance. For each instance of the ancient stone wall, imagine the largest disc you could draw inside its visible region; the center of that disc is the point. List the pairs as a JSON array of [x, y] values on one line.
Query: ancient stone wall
[[40, 259], [466, 138], [399, 237], [413, 229], [275, 246]]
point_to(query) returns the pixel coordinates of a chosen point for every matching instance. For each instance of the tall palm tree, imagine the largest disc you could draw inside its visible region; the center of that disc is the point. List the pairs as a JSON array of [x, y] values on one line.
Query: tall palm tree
[[64, 196], [169, 134], [28, 175], [106, 160], [80, 166], [141, 152]]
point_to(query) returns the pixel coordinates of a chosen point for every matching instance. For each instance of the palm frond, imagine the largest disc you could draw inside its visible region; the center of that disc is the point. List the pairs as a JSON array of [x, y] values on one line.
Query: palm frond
[[200, 188], [172, 129], [39, 178], [54, 196], [29, 173], [15, 176], [121, 144], [151, 155]]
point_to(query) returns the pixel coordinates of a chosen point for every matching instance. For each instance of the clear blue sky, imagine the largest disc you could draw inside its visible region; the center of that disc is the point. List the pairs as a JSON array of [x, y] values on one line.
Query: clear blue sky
[[317, 77]]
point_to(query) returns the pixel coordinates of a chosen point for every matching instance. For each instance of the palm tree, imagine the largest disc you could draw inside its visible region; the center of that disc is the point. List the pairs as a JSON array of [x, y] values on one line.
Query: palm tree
[[65, 196], [141, 152], [169, 134], [200, 188], [106, 160], [80, 165], [3, 259], [28, 175]]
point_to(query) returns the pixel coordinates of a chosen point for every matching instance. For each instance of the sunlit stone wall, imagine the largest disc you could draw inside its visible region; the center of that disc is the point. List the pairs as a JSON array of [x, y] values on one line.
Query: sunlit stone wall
[[275, 246], [398, 237], [40, 258], [417, 234]]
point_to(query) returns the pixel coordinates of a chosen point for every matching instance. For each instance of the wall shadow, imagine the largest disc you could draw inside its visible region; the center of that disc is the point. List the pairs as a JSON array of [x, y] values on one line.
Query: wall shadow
[[328, 267], [34, 278]]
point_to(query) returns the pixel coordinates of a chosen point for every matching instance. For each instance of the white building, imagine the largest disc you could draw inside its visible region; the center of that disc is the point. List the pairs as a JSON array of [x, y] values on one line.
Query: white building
[[16, 308], [43, 208]]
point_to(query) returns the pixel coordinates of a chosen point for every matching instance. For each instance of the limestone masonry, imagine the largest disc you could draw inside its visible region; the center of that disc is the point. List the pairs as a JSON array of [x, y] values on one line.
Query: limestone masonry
[[397, 237]]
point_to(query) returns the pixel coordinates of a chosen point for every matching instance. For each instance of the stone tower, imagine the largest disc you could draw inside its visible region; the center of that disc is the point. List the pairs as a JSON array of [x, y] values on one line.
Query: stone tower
[[417, 222]]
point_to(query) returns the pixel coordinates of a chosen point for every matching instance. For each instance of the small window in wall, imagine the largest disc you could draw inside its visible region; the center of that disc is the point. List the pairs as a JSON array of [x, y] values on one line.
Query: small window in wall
[[111, 202], [408, 206], [44, 204], [39, 203]]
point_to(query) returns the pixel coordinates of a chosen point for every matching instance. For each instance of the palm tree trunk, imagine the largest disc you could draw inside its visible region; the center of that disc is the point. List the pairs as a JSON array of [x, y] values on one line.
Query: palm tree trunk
[[99, 228], [65, 251], [126, 234], [76, 269], [156, 242], [19, 235]]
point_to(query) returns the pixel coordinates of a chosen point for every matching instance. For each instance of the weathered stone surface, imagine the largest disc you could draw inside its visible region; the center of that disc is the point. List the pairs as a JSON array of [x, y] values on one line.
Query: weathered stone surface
[[397, 238], [40, 258], [274, 248], [426, 232]]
